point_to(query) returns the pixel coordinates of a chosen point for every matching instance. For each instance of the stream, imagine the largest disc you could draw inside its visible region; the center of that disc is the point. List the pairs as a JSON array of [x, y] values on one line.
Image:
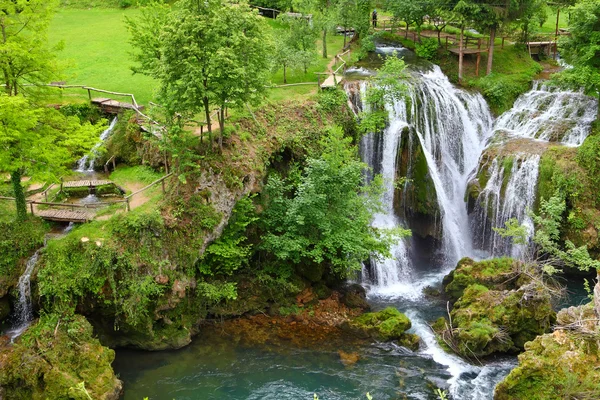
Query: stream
[[453, 128]]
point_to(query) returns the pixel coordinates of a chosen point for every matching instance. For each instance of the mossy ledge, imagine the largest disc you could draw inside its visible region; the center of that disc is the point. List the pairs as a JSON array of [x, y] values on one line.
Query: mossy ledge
[[499, 305], [58, 359], [385, 325], [561, 365]]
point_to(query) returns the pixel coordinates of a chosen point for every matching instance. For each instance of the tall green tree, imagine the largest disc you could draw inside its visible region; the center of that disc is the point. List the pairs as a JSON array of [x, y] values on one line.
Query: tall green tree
[[301, 36], [206, 55], [38, 141], [25, 57]]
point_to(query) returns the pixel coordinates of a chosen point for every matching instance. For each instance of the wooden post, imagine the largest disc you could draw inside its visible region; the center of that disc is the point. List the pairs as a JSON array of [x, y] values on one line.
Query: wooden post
[[502, 42], [477, 66], [31, 207], [163, 185], [127, 204], [556, 33], [446, 42], [89, 94]]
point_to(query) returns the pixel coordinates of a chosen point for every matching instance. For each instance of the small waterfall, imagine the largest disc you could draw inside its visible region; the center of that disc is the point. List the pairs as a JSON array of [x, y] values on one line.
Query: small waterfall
[[87, 164], [509, 193], [548, 113], [23, 313]]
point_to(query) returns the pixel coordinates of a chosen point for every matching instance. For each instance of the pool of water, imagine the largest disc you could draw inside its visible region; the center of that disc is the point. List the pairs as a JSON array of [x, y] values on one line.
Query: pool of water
[[216, 368]]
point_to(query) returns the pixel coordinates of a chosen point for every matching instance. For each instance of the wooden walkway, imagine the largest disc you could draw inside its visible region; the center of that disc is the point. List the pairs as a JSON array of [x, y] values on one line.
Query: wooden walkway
[[86, 183], [111, 106], [329, 82], [66, 215]]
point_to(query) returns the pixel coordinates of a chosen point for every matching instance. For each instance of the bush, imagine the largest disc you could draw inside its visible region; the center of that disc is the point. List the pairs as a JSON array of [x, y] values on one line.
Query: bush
[[427, 49]]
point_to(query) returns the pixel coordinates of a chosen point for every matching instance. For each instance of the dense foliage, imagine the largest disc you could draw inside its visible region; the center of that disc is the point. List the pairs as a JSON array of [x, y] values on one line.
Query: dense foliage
[[322, 215]]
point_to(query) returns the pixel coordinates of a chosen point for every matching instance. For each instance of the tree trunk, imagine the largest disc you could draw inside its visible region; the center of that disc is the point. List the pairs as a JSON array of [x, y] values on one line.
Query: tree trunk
[[221, 126], [284, 77], [208, 124], [15, 178], [491, 51], [440, 37], [345, 32], [324, 44], [406, 31], [460, 54], [597, 296]]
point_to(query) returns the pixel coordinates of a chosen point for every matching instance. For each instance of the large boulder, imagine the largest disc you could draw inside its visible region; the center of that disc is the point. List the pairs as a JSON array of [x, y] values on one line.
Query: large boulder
[[498, 308], [58, 358], [385, 325], [561, 365]]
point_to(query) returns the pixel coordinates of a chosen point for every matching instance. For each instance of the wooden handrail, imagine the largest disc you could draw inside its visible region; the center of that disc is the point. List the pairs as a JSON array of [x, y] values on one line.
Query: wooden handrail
[[148, 186]]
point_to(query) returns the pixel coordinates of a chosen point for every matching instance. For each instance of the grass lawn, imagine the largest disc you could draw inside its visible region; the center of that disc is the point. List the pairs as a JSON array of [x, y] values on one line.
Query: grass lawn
[[97, 48], [98, 53]]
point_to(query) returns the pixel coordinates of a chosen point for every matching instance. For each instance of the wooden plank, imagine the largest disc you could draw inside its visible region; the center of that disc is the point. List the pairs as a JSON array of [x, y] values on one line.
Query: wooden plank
[[86, 183], [456, 50], [65, 215]]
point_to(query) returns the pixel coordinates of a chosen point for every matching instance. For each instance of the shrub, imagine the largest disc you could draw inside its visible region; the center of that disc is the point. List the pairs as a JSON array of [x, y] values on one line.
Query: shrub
[[427, 49]]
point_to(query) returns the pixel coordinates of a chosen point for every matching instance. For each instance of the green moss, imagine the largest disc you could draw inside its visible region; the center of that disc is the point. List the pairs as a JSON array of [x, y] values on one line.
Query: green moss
[[61, 352], [387, 324], [497, 308], [554, 366]]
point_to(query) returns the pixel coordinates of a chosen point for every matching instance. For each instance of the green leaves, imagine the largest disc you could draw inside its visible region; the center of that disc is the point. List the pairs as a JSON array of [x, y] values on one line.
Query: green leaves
[[325, 217]]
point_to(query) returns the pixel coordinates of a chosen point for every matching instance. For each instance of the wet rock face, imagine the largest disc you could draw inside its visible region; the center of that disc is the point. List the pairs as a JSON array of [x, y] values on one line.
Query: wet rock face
[[415, 198], [4, 308], [497, 308]]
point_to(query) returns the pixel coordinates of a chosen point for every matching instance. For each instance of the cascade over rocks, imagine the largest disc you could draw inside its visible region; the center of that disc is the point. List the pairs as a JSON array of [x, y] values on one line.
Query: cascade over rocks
[[500, 304]]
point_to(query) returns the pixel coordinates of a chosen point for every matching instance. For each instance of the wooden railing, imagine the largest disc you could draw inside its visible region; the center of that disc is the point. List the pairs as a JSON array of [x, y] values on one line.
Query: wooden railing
[[161, 181]]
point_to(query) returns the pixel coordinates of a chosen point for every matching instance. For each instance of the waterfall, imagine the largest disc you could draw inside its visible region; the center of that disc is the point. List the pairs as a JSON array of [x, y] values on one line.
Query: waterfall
[[85, 164], [23, 313], [548, 113], [452, 126], [509, 193]]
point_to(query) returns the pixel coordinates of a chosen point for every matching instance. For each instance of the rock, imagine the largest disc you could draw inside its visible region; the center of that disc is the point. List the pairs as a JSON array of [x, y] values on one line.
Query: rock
[[348, 359], [161, 279], [354, 296], [430, 291], [561, 365], [496, 273], [387, 324], [60, 356], [306, 296], [497, 309], [85, 239], [4, 308]]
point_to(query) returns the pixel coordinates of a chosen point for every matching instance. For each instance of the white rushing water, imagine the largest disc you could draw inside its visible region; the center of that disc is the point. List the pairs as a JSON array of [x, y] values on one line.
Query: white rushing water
[[505, 198], [548, 113], [23, 313], [87, 164]]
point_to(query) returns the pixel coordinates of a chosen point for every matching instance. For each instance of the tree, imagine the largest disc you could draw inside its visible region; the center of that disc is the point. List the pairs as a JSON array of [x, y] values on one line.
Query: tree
[[440, 16], [25, 57], [204, 54], [582, 48], [322, 216], [38, 141], [301, 36], [284, 55], [410, 11]]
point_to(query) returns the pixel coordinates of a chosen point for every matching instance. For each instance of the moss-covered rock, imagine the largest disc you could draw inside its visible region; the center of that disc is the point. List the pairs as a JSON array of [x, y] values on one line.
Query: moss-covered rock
[[56, 359], [561, 365], [415, 197], [496, 273], [387, 324], [498, 307]]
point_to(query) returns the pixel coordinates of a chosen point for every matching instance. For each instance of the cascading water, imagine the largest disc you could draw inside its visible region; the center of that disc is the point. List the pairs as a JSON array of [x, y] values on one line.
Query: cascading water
[[87, 164], [551, 114], [23, 314], [507, 194]]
